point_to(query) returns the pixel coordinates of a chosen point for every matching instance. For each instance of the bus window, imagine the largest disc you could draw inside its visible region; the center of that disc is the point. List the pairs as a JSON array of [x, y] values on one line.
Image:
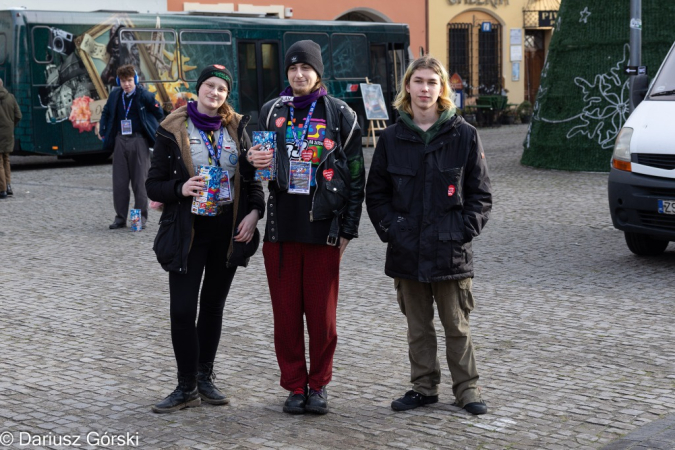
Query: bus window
[[42, 42], [291, 38], [259, 76], [350, 55], [3, 48], [378, 65], [200, 48], [146, 49]]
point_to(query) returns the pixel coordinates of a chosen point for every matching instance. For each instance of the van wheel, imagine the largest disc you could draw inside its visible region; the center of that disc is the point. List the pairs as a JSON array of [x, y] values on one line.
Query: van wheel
[[644, 245]]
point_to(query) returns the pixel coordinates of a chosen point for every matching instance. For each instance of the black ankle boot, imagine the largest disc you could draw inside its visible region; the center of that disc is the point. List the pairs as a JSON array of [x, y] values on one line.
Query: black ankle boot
[[207, 390], [184, 396]]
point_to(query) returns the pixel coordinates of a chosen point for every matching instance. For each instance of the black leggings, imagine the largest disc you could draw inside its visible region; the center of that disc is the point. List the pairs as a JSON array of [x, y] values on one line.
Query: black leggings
[[193, 345]]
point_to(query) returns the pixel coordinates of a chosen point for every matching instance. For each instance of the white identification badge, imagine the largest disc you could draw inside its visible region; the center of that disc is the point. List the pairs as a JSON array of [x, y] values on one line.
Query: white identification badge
[[224, 194], [126, 127], [301, 173]]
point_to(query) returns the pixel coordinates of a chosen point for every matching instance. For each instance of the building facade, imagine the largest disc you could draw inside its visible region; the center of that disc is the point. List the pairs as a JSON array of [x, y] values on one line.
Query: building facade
[[495, 46], [399, 11]]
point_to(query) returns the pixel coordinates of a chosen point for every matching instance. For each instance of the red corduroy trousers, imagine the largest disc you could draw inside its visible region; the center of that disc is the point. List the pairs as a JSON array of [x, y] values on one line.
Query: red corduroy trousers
[[303, 279]]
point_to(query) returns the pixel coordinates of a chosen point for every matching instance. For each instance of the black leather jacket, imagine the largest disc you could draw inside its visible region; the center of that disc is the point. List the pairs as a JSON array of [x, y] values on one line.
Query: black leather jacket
[[429, 201], [340, 198]]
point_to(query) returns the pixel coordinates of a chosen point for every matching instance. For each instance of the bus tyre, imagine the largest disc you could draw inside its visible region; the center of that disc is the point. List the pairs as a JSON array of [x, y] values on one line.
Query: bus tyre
[[92, 158], [644, 245]]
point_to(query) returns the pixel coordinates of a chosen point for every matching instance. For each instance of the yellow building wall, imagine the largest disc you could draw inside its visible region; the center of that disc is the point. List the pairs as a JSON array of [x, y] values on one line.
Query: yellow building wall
[[508, 13]]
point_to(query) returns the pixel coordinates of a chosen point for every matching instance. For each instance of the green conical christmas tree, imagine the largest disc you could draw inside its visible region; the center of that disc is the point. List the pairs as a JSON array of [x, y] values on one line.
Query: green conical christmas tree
[[582, 102]]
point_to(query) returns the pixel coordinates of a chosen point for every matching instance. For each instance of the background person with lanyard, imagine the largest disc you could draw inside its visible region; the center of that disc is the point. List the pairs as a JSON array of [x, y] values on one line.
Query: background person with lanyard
[[314, 210], [210, 133], [128, 123]]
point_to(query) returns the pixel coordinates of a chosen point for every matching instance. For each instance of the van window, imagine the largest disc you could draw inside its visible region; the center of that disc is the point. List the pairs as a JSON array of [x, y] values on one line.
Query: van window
[[350, 55], [291, 38], [665, 81], [148, 48], [200, 48]]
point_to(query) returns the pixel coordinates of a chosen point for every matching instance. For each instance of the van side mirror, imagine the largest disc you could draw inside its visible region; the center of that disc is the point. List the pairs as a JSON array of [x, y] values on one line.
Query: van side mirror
[[639, 89]]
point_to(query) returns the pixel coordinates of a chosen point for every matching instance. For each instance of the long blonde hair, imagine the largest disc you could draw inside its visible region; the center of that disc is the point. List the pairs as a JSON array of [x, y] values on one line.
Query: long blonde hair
[[402, 102]]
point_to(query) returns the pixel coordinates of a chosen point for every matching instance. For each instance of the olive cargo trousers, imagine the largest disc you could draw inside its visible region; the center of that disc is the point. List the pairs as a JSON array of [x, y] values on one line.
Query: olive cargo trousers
[[454, 301]]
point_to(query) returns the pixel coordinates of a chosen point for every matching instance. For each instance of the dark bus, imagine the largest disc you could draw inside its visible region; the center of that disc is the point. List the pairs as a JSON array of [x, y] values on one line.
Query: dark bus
[[62, 65]]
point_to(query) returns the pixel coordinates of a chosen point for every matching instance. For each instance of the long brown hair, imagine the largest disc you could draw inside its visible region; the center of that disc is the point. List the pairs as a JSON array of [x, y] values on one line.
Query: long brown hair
[[402, 102], [226, 112]]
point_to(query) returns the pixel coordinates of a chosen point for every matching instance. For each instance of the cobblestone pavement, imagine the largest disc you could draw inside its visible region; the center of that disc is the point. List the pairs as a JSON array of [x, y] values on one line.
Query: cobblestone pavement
[[573, 332]]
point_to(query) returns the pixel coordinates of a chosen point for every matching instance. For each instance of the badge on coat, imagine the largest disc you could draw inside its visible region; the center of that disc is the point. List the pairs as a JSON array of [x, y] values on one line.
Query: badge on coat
[[307, 154], [233, 159], [451, 190], [328, 174], [328, 144], [280, 122]]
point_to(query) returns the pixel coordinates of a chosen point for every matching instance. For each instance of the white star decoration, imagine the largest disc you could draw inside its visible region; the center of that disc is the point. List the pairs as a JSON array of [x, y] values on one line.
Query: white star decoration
[[584, 15]]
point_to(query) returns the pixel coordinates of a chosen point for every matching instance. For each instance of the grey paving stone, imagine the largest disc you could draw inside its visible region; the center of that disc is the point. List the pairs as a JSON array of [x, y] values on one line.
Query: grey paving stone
[[573, 332]]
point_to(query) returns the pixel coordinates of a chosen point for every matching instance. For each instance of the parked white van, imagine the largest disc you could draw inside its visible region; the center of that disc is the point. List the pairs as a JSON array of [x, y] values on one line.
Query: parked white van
[[642, 175]]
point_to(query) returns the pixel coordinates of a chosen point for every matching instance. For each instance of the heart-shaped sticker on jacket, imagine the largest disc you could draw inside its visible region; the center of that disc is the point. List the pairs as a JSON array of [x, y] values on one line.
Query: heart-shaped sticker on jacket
[[328, 174]]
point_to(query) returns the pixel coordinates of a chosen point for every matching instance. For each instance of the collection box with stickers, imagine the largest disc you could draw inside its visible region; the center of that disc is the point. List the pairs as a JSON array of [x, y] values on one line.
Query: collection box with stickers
[[206, 203], [136, 221], [268, 140]]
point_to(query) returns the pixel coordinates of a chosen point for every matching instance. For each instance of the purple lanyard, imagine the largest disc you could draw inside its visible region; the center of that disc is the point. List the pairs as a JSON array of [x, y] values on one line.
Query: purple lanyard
[[124, 104], [305, 130], [219, 147]]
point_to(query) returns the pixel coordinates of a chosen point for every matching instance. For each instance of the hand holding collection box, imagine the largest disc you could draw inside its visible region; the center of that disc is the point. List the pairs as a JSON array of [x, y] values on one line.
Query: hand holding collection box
[[268, 142]]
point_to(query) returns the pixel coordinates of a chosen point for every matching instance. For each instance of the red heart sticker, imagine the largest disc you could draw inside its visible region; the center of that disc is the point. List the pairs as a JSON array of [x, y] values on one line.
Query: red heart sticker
[[328, 145], [451, 190], [307, 154], [280, 122], [328, 174]]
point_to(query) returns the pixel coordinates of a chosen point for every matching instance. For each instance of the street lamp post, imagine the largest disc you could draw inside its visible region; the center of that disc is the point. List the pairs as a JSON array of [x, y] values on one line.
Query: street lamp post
[[635, 44]]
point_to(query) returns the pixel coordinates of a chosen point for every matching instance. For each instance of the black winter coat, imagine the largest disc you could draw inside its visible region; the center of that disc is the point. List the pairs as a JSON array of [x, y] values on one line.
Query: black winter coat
[[340, 198], [171, 167], [429, 201]]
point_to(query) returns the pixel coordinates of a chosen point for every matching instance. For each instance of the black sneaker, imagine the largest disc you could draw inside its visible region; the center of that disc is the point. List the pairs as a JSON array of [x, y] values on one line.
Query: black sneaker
[[295, 403], [116, 225], [476, 408], [412, 400], [9, 190], [317, 402], [3, 194]]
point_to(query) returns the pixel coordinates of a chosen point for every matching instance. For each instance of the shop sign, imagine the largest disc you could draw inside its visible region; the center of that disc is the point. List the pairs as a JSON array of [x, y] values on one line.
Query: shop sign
[[493, 3], [547, 18]]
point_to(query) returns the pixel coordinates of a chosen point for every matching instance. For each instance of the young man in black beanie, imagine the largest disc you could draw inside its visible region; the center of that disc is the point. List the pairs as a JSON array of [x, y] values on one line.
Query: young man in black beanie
[[314, 210]]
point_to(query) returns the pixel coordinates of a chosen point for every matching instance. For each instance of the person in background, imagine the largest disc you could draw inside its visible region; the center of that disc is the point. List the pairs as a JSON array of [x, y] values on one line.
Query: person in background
[[190, 246], [10, 115], [127, 128], [428, 196], [314, 210]]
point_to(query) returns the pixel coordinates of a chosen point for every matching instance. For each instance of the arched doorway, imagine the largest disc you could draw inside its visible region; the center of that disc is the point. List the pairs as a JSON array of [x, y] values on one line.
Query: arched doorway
[[475, 52], [363, 15]]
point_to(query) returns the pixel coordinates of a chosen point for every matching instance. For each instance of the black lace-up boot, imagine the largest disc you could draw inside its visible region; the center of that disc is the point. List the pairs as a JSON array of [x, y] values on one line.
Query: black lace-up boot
[[185, 395], [207, 390]]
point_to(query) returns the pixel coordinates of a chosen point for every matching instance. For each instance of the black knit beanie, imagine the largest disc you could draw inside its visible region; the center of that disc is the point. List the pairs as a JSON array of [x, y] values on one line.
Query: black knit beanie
[[308, 52], [215, 70]]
